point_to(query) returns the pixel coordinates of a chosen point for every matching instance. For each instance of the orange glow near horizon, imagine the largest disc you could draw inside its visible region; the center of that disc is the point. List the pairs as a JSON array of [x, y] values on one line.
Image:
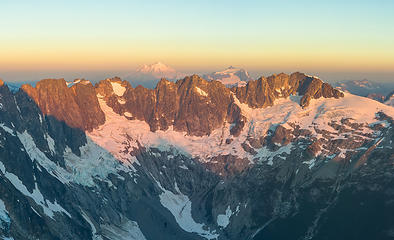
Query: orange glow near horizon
[[118, 64], [308, 35], [110, 57]]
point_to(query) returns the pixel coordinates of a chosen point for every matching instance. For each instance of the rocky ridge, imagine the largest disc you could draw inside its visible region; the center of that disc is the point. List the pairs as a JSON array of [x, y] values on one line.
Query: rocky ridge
[[263, 92], [77, 105], [198, 107], [275, 167], [191, 105]]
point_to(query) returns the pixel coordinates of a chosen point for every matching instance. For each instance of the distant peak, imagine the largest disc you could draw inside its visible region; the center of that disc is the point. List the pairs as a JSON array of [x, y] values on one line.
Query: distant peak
[[155, 67], [231, 76], [159, 70], [159, 63]]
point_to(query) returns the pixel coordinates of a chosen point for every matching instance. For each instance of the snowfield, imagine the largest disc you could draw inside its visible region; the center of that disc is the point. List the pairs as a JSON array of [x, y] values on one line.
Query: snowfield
[[181, 208], [119, 135], [118, 88], [224, 219], [48, 207]]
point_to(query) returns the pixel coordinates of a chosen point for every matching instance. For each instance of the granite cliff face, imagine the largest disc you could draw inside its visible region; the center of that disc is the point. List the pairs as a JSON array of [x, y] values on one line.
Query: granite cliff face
[[284, 157], [198, 107], [77, 106], [191, 105], [263, 92]]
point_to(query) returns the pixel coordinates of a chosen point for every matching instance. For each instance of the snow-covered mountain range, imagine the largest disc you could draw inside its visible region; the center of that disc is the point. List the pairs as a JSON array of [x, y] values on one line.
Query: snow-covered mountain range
[[361, 87], [389, 99], [374, 90], [282, 157], [148, 75], [230, 77]]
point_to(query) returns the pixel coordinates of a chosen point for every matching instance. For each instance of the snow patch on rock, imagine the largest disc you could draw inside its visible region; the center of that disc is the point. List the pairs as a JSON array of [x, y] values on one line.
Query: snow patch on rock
[[224, 219], [51, 143], [35, 154], [121, 101], [94, 162], [181, 208], [7, 129], [127, 114], [264, 154], [4, 217], [48, 207], [70, 84], [94, 230], [118, 88], [128, 230], [201, 92], [311, 163]]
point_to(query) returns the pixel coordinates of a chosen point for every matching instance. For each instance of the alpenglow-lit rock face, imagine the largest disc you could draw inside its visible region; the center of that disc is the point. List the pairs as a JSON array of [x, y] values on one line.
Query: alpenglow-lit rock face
[[283, 157], [198, 107], [263, 92], [191, 105], [77, 105]]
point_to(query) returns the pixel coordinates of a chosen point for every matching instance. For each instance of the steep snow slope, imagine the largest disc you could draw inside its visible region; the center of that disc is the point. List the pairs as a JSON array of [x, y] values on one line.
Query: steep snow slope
[[121, 136], [118, 88], [181, 207], [94, 162]]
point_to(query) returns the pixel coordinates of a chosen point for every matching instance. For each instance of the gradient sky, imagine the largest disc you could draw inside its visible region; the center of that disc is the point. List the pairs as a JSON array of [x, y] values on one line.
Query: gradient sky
[[311, 36]]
